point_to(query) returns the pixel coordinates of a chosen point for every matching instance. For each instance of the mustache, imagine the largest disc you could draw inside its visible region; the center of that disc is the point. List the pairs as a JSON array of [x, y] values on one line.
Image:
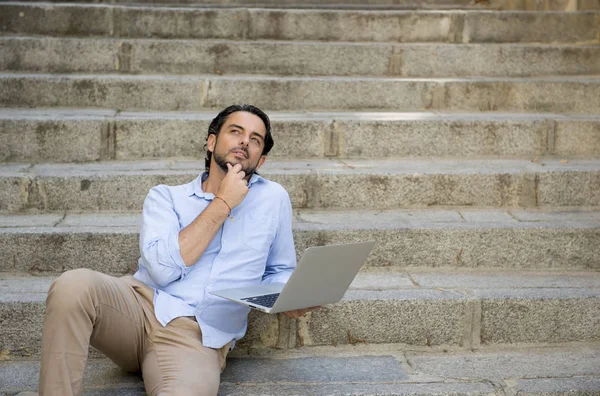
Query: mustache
[[240, 148]]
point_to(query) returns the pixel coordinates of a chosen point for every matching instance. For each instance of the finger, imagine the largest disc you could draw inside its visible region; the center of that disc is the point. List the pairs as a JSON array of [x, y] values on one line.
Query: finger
[[237, 167], [229, 167]]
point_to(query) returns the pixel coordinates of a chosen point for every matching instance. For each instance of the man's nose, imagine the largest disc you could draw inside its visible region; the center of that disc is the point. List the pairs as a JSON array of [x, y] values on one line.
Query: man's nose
[[244, 140]]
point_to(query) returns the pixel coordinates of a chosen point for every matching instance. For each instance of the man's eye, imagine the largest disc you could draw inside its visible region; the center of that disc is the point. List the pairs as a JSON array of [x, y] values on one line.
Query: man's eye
[[255, 140]]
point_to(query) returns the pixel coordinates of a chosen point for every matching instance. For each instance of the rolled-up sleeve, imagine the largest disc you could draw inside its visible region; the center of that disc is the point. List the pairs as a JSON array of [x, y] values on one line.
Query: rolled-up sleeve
[[282, 255], [159, 238]]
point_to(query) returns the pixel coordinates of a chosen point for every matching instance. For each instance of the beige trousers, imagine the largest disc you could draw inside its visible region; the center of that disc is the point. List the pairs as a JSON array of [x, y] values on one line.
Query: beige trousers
[[116, 316]]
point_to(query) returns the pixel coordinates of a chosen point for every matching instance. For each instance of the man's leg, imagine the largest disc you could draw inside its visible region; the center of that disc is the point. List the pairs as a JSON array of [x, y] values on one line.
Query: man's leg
[[86, 307], [176, 362]]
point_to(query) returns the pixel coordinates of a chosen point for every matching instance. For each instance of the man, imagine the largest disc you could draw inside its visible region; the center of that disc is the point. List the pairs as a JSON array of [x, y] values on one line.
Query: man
[[227, 228]]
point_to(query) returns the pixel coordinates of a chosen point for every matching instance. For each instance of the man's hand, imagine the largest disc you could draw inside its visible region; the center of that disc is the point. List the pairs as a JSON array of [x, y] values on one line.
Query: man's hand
[[298, 312], [233, 188]]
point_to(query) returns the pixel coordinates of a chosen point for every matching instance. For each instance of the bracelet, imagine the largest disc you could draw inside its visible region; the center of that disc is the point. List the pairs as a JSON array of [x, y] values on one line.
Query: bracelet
[[225, 202]]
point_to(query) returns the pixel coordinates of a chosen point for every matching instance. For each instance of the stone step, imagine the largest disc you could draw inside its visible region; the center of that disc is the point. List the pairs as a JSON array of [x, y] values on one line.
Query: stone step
[[367, 370], [39, 135], [529, 5], [284, 24], [446, 309], [579, 95], [447, 238], [327, 184], [192, 57]]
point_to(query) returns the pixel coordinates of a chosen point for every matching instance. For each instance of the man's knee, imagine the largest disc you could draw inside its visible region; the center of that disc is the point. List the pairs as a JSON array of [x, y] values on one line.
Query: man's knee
[[69, 288]]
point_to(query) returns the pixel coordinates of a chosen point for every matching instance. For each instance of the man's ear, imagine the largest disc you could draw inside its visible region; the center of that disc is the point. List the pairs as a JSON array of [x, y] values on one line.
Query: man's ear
[[211, 142], [261, 161]]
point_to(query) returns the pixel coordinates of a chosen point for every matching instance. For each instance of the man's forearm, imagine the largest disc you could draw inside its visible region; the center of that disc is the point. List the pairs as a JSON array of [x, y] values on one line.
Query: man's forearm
[[195, 238]]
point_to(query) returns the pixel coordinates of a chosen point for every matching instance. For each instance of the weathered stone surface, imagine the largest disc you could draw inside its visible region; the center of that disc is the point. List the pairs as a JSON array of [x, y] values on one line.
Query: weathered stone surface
[[163, 22], [435, 315], [320, 25], [412, 239], [578, 386], [395, 389], [104, 378], [118, 92], [332, 190], [100, 373], [52, 140], [314, 370], [559, 362], [112, 251], [503, 279], [327, 183], [544, 5], [279, 58], [578, 138], [264, 330], [416, 317], [185, 136], [439, 138], [535, 95], [151, 56], [65, 20], [56, 135], [325, 4], [403, 26], [529, 5], [52, 55], [22, 318], [493, 60], [579, 189], [12, 188], [539, 315], [532, 27], [574, 95], [325, 93]]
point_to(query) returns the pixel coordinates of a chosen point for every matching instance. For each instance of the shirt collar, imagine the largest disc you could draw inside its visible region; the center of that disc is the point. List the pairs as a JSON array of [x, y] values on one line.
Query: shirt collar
[[195, 187]]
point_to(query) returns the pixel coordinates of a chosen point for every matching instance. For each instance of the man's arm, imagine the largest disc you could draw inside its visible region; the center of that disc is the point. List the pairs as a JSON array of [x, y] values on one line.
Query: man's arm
[[281, 261], [166, 251], [195, 238]]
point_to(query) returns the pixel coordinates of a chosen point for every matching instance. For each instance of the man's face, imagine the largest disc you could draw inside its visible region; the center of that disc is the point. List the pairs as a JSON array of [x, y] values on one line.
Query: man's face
[[240, 141]]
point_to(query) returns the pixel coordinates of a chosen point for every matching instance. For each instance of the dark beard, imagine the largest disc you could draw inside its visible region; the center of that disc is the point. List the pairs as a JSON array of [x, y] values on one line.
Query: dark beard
[[223, 164]]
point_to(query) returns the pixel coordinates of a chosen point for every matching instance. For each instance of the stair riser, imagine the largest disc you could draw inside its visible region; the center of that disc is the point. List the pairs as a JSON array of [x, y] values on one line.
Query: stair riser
[[116, 250], [135, 22], [105, 138], [289, 59], [529, 5], [296, 94], [424, 318], [328, 189]]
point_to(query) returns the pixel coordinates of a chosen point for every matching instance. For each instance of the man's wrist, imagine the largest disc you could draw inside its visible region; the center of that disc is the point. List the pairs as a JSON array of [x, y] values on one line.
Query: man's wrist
[[224, 204]]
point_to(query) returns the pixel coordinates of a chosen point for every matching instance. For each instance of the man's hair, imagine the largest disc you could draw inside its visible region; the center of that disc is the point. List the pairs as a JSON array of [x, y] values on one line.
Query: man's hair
[[217, 123]]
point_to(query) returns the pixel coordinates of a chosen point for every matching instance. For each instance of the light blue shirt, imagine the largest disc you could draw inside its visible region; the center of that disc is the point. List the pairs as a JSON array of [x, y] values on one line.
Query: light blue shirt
[[254, 247]]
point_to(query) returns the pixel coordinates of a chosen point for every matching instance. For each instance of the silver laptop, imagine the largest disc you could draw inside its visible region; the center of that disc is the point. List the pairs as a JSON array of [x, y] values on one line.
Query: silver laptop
[[321, 277]]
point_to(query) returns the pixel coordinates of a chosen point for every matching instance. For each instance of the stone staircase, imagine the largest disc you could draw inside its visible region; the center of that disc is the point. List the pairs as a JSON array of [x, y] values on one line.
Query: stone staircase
[[462, 136]]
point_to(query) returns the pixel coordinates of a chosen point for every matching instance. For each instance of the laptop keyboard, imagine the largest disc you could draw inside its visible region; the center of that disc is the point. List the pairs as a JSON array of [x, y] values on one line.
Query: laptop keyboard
[[266, 300]]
